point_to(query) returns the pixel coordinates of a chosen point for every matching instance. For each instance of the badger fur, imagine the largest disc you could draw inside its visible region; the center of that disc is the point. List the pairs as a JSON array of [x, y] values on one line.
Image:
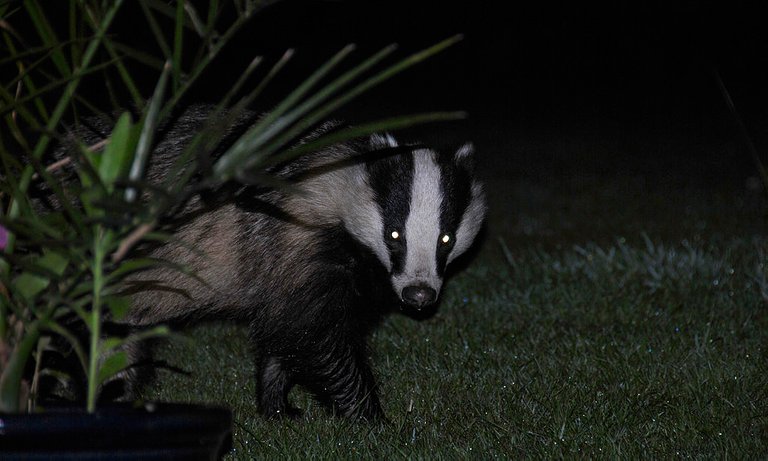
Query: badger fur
[[370, 227]]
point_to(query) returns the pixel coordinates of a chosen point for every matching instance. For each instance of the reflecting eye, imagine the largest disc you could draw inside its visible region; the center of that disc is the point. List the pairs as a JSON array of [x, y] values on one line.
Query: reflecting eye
[[445, 238], [395, 235]]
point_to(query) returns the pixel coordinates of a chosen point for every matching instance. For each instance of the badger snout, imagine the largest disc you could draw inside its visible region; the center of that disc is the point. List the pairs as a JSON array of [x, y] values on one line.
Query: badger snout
[[419, 296]]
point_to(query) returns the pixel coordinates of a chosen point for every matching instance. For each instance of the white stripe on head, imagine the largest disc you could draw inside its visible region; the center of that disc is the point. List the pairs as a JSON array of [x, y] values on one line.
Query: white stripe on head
[[422, 227], [362, 216], [382, 141], [471, 222]]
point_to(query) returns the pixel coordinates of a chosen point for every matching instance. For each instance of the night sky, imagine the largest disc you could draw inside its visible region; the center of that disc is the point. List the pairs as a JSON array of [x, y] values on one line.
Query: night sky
[[624, 60], [637, 71], [633, 73]]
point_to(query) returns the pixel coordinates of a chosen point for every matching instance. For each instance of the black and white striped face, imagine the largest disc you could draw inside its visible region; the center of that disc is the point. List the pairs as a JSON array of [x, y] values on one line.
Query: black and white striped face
[[431, 210]]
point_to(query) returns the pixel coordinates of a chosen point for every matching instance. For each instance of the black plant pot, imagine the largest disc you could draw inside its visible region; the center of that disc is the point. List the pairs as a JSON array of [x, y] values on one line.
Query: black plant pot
[[150, 432]]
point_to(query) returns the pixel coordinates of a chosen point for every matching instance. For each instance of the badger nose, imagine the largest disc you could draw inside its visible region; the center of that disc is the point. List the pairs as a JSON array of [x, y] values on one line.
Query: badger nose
[[419, 296]]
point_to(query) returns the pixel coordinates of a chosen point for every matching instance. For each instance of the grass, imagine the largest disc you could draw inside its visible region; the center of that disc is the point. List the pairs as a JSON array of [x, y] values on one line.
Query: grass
[[627, 318], [621, 350]]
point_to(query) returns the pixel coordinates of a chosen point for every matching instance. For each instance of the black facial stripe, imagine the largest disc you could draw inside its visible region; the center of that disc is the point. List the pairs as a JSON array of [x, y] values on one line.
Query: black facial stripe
[[391, 177], [456, 185]]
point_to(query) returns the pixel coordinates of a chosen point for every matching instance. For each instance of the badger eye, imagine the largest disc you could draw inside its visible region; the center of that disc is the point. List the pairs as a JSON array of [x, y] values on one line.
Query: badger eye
[[395, 235], [446, 239]]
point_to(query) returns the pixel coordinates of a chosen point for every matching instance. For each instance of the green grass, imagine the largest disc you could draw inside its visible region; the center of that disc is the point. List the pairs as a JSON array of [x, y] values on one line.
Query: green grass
[[627, 349]]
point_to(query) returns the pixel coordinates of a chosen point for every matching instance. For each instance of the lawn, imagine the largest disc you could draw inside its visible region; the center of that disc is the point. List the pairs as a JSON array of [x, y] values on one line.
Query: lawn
[[603, 316]]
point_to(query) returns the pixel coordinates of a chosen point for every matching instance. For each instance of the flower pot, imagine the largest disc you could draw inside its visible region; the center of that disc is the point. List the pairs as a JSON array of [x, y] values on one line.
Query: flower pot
[[149, 432]]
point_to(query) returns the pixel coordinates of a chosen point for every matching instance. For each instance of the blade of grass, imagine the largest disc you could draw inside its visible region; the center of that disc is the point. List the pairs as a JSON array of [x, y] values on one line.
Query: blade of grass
[[388, 124], [75, 52], [148, 130], [71, 339], [240, 82], [295, 96], [160, 330], [125, 76], [34, 96], [15, 54], [184, 158], [156, 31], [201, 66], [65, 201], [210, 31], [213, 14], [209, 137], [276, 68], [13, 127], [47, 36], [305, 122], [94, 324], [11, 375], [278, 119], [140, 56], [58, 112], [197, 24], [167, 10], [336, 85], [388, 73], [27, 80], [178, 44]]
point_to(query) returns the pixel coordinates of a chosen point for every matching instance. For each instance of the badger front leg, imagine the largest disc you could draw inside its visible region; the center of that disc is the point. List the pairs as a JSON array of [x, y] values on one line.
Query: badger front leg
[[274, 382], [317, 340], [339, 374], [333, 368]]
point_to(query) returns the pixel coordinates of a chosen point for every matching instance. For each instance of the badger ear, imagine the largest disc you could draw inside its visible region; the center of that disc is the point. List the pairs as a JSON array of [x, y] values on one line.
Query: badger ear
[[382, 141], [465, 151], [465, 156]]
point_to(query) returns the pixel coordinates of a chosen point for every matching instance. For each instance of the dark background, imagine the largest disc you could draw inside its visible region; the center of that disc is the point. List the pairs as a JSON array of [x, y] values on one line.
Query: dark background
[[545, 60], [639, 76], [614, 87]]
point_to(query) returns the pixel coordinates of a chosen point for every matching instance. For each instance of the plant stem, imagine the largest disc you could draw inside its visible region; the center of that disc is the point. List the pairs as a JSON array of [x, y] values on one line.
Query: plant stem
[[11, 376], [95, 326]]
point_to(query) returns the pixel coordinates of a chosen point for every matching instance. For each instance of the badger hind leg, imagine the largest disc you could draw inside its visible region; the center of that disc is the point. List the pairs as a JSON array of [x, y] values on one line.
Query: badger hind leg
[[127, 385]]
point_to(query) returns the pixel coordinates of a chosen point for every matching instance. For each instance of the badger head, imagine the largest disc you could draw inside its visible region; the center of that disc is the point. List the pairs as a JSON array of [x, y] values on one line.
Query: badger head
[[430, 209]]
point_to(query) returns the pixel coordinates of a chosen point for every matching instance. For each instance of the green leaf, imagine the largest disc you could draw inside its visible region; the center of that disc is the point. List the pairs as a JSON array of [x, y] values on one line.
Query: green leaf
[[90, 196], [111, 366], [110, 344], [117, 157], [37, 276], [30, 285], [53, 261], [119, 306], [130, 266]]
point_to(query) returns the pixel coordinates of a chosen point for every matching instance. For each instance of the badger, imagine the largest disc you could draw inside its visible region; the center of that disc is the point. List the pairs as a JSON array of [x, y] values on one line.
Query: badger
[[368, 228]]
